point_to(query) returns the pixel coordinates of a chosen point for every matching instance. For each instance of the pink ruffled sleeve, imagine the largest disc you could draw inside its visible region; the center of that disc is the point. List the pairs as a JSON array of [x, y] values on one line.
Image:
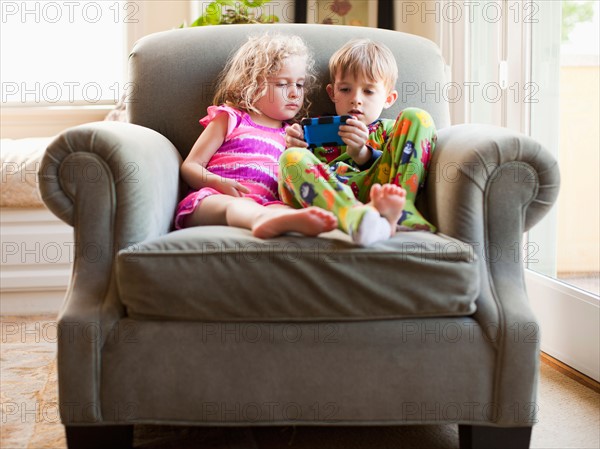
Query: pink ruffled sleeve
[[235, 117]]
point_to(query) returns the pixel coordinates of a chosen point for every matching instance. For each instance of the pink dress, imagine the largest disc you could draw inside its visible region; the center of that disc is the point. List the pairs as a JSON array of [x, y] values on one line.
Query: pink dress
[[249, 154]]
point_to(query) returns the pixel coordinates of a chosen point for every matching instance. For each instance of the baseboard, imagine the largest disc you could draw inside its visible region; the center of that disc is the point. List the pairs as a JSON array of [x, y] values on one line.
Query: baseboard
[[570, 372], [31, 302]]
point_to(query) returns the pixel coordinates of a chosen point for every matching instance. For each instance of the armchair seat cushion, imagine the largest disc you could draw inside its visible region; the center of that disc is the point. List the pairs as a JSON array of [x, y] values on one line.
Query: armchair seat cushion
[[217, 273]]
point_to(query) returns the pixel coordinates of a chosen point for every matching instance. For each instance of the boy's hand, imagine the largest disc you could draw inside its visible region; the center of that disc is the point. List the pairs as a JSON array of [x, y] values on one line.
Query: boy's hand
[[294, 137], [355, 134]]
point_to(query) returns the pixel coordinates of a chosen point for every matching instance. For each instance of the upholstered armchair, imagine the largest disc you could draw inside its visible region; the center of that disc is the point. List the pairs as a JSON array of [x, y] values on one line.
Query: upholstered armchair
[[211, 326]]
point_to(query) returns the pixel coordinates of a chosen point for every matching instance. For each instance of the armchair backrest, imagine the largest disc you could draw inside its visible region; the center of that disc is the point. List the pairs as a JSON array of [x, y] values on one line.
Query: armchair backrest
[[173, 73]]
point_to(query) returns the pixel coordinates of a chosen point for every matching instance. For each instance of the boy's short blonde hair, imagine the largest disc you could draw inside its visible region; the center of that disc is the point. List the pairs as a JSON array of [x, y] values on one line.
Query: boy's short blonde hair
[[242, 81], [373, 60]]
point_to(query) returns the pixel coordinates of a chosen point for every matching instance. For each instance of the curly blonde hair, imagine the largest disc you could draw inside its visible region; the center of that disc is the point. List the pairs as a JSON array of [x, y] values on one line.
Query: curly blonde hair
[[373, 60], [242, 82]]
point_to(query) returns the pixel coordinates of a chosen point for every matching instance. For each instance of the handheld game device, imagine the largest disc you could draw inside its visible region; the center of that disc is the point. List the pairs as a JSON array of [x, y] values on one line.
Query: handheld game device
[[323, 131]]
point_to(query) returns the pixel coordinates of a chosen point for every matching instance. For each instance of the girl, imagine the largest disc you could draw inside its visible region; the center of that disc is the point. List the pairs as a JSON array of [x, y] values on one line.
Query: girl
[[233, 166]]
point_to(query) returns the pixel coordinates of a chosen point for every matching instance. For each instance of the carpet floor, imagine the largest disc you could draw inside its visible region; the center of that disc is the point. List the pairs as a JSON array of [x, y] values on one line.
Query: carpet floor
[[568, 412]]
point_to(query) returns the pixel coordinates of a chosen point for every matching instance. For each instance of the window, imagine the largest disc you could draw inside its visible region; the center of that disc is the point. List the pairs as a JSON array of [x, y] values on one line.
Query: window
[[564, 66], [64, 52], [532, 66]]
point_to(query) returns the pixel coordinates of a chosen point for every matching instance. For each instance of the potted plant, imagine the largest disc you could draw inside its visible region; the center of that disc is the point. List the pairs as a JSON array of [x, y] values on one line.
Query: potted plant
[[225, 12]]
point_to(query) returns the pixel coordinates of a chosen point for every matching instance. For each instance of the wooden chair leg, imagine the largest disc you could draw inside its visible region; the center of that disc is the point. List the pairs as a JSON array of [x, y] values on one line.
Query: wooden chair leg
[[99, 437], [487, 437]]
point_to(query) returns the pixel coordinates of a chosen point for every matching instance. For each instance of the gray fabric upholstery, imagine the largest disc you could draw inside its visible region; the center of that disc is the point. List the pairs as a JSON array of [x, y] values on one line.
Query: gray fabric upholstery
[[118, 185], [101, 179], [426, 370], [227, 275], [182, 58]]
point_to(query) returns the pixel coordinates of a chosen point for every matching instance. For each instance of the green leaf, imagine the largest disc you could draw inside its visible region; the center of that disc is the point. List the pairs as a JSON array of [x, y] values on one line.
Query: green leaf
[[213, 13], [269, 19], [255, 3]]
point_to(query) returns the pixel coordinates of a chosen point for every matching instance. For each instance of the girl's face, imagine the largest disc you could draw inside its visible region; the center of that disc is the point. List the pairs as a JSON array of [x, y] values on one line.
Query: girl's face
[[285, 94]]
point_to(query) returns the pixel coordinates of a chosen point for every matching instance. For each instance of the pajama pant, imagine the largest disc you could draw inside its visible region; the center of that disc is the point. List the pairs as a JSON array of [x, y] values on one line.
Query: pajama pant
[[305, 180]]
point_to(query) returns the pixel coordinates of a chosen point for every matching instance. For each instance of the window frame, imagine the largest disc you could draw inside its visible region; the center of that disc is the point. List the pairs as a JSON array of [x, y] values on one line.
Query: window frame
[[568, 316]]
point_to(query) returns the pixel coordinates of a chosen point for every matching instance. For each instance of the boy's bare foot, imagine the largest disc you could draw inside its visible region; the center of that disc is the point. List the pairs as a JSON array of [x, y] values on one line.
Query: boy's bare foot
[[379, 222], [310, 221], [389, 200]]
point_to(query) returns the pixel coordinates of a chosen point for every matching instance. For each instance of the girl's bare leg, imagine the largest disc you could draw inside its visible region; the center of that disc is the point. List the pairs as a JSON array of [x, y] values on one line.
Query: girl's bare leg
[[264, 221], [211, 211], [277, 220]]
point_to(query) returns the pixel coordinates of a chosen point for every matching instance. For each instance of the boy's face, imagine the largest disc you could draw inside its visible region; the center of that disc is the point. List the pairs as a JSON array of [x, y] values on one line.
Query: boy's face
[[360, 97]]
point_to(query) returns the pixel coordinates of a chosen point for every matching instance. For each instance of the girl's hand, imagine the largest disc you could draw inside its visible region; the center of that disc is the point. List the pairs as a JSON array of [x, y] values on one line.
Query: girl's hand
[[294, 137], [228, 186], [355, 134]]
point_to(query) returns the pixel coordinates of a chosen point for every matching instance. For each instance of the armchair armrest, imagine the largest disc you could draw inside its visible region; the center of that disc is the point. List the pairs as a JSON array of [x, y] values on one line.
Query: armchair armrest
[[141, 165], [470, 160], [117, 184], [487, 186]]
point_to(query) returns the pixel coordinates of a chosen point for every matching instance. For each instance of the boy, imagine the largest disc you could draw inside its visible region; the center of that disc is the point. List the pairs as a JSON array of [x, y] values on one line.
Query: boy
[[345, 179]]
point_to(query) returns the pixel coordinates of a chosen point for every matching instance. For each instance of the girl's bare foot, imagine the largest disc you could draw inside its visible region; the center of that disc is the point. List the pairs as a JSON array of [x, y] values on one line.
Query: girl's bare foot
[[310, 221], [389, 200]]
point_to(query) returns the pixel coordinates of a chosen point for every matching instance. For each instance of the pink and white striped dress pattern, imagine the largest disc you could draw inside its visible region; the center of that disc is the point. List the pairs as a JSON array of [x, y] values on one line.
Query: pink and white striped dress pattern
[[249, 154]]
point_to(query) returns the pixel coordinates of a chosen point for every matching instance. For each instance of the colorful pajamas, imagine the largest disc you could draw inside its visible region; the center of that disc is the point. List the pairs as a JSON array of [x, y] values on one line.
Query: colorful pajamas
[[330, 179]]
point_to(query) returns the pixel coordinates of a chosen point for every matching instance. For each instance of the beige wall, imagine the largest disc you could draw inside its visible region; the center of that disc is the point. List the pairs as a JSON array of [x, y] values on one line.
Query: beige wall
[[158, 15], [578, 206], [416, 17]]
